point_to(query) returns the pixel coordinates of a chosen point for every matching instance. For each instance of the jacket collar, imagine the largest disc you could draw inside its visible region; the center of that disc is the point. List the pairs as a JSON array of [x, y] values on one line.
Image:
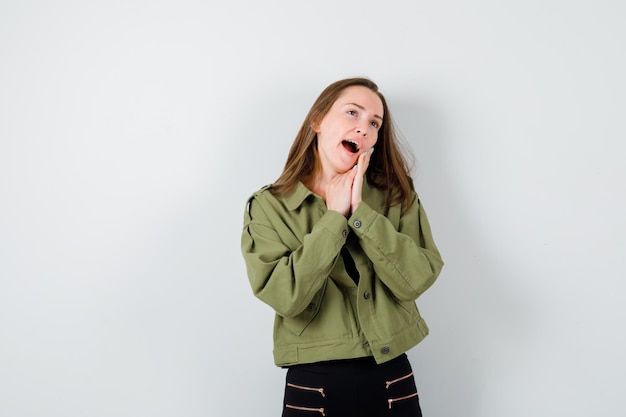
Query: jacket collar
[[295, 199]]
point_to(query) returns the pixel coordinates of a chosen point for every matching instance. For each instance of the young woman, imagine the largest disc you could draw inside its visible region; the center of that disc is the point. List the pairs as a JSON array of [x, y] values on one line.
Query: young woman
[[340, 247]]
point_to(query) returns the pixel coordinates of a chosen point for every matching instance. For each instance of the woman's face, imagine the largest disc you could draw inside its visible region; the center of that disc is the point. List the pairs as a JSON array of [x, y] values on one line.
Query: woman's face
[[348, 129]]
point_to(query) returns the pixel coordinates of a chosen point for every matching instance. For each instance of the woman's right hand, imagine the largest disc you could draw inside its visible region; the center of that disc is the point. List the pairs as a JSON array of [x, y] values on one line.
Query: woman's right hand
[[339, 192]]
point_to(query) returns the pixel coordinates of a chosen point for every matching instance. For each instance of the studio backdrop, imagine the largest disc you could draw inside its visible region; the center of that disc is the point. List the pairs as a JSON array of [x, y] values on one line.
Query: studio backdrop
[[132, 133]]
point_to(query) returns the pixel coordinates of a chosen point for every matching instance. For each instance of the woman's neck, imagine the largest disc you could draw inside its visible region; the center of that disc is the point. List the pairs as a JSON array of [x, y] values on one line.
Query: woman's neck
[[319, 181]]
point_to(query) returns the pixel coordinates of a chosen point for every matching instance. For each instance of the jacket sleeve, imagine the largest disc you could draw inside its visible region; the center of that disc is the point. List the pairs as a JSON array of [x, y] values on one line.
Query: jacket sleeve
[[406, 260], [287, 278]]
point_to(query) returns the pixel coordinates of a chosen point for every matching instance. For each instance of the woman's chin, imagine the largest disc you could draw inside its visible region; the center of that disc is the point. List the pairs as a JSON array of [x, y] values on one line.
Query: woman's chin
[[349, 163]]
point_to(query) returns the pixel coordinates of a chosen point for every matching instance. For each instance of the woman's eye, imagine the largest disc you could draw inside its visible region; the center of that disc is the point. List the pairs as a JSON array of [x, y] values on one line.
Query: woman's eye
[[375, 124], [352, 112]]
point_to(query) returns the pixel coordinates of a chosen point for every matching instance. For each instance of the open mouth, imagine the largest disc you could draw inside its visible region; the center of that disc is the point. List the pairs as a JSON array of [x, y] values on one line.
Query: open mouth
[[350, 146]]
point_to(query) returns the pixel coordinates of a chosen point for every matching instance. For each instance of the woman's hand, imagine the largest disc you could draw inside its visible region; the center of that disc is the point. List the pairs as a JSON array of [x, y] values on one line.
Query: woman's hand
[[339, 191], [357, 186], [343, 193]]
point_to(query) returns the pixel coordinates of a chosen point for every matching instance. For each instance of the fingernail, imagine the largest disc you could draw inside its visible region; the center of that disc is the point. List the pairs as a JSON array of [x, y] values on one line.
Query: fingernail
[[372, 150], [355, 167]]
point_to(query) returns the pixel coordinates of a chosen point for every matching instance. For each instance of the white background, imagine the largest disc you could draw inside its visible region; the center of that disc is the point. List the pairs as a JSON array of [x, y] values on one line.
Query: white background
[[132, 132]]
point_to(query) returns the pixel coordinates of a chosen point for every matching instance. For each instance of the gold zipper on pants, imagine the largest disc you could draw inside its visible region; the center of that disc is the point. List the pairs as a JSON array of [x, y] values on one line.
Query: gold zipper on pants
[[406, 397], [320, 390], [318, 410], [389, 383]]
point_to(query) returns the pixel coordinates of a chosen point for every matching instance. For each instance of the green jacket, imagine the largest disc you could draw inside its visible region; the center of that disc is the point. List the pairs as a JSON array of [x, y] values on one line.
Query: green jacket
[[292, 248]]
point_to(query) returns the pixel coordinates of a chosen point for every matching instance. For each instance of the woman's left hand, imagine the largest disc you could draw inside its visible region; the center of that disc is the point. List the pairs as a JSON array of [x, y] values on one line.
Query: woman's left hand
[[357, 186]]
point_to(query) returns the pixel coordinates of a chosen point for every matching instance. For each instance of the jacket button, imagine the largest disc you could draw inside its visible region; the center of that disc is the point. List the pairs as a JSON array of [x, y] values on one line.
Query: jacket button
[[357, 223], [385, 350], [344, 233], [367, 295], [310, 307]]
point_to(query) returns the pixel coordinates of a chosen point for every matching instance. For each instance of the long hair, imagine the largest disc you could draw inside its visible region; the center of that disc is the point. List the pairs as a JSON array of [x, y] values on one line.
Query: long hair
[[388, 168]]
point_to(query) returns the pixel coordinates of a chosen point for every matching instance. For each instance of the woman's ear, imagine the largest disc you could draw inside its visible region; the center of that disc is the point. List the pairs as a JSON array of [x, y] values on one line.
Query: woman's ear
[[315, 123]]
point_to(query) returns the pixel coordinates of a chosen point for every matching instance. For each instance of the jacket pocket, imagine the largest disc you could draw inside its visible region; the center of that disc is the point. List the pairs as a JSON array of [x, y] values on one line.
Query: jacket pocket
[[409, 307], [300, 322]]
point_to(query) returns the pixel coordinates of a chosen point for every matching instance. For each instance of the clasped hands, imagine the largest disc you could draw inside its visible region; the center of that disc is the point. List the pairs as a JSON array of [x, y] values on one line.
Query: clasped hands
[[343, 192]]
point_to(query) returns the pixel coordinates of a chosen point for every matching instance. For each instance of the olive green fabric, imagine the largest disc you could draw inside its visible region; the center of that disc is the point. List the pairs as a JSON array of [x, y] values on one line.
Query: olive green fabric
[[291, 246]]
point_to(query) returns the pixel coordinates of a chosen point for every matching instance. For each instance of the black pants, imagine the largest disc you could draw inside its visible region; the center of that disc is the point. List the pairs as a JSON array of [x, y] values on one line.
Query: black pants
[[352, 388]]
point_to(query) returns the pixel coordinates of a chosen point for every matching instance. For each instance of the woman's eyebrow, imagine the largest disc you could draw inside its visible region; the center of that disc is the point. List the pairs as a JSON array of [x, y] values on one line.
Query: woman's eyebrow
[[363, 108]]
